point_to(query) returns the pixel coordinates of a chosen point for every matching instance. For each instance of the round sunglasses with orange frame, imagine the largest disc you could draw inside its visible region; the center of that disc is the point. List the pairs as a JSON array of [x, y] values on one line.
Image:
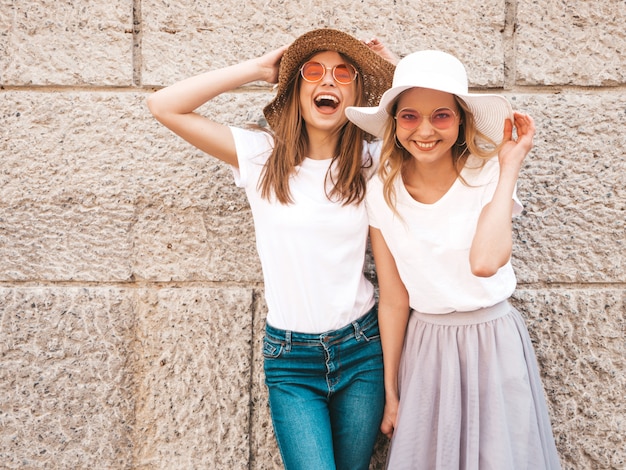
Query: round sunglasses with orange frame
[[342, 73]]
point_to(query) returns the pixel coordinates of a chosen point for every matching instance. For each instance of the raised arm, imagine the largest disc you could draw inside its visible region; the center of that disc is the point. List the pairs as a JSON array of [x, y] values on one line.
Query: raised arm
[[175, 106], [377, 46], [492, 244], [393, 314]]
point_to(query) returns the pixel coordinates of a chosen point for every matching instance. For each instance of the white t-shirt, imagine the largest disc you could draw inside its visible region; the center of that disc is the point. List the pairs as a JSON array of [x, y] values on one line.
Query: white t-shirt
[[431, 243], [312, 251]]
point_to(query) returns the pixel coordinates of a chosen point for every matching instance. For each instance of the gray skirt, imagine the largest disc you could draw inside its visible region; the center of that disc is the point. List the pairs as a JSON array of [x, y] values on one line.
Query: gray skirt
[[470, 395]]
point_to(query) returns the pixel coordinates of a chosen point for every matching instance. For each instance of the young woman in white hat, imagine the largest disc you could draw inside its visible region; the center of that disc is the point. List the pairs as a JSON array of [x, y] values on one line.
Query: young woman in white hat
[[305, 181], [462, 385]]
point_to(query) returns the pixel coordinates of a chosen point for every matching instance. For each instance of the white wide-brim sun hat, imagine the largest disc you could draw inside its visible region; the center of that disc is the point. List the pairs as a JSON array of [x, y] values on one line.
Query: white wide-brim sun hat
[[436, 70]]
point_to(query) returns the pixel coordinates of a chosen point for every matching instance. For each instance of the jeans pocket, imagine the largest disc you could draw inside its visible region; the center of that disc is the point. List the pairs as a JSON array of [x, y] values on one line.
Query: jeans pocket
[[272, 349], [370, 335]]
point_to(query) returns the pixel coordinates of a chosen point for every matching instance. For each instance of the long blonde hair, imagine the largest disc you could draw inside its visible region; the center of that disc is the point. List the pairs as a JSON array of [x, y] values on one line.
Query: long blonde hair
[[469, 142], [290, 149]]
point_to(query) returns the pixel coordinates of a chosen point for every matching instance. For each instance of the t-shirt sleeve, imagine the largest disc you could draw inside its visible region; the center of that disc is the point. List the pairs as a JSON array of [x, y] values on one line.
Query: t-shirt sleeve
[[253, 148], [373, 201]]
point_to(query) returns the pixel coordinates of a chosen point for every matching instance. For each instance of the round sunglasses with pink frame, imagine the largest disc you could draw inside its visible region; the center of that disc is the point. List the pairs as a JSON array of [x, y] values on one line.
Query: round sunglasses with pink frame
[[440, 118]]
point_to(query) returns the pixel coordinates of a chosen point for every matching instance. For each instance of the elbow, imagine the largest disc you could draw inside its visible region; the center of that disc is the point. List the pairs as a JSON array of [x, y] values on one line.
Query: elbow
[[152, 104], [487, 262], [484, 270], [486, 267], [156, 106]]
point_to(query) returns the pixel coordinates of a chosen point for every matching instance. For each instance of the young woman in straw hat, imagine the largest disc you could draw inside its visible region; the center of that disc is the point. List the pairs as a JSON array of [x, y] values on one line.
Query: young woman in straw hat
[[462, 385], [305, 181]]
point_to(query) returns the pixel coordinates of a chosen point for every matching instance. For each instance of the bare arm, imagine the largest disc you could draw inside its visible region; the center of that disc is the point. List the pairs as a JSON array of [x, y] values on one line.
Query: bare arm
[[393, 314], [377, 46], [492, 244], [175, 106]]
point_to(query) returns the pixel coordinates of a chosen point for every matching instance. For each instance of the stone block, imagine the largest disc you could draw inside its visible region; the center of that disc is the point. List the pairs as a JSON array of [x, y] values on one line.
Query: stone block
[[66, 382], [93, 188], [193, 352], [46, 42], [65, 241], [577, 43], [180, 39], [573, 187], [263, 447], [578, 336]]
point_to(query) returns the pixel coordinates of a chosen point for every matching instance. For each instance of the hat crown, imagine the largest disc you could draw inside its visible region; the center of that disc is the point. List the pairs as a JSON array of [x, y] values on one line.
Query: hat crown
[[436, 70], [375, 72]]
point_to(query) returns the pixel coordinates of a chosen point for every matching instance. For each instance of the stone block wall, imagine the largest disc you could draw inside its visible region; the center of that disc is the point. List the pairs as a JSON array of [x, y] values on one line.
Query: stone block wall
[[131, 297]]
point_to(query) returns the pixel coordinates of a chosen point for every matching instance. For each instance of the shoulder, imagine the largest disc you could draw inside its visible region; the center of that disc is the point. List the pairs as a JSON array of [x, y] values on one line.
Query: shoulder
[[371, 157], [258, 137], [252, 144], [374, 195], [478, 171]]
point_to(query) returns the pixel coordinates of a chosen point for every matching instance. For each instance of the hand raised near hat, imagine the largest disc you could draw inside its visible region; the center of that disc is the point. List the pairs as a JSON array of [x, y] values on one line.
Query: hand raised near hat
[[269, 64], [492, 244], [379, 48], [514, 150]]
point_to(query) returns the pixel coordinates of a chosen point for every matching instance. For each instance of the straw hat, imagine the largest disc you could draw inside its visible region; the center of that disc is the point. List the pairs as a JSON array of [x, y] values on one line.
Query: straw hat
[[438, 71], [375, 71]]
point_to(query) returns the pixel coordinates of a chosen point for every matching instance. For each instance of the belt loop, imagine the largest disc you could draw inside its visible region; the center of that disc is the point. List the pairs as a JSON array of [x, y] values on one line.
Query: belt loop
[[288, 341], [357, 329]]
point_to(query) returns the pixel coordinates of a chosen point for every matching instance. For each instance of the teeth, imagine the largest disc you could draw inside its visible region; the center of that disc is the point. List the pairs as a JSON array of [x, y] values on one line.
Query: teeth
[[327, 97], [424, 145]]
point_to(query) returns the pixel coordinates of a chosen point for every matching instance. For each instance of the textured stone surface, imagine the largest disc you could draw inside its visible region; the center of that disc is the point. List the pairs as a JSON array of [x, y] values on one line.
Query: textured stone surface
[[185, 37], [93, 188], [131, 298], [570, 43], [573, 187], [50, 42], [65, 377], [264, 450], [193, 350], [579, 339]]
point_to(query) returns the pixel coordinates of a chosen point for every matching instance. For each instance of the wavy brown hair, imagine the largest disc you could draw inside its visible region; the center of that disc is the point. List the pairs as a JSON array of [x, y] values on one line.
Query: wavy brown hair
[[469, 142], [291, 143]]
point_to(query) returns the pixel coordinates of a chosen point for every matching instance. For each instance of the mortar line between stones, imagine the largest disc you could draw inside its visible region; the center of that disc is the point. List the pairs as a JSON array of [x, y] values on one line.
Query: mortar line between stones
[[18, 284], [137, 49], [522, 89], [251, 437], [510, 26]]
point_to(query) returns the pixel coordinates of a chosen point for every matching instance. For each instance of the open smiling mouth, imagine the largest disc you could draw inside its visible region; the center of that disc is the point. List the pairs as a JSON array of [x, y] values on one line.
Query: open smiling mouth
[[326, 101]]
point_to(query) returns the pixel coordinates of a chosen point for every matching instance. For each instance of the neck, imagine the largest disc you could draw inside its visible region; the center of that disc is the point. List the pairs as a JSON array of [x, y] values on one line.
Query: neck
[[427, 183], [322, 146]]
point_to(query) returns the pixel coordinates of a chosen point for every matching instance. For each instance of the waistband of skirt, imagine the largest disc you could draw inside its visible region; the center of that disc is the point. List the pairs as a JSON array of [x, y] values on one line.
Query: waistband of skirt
[[354, 328], [472, 317]]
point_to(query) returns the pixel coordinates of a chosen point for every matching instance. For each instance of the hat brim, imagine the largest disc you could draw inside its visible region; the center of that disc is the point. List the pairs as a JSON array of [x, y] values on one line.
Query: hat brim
[[490, 112], [376, 72]]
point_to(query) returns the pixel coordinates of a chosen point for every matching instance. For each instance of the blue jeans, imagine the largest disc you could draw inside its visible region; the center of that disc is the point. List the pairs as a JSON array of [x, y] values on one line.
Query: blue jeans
[[326, 394]]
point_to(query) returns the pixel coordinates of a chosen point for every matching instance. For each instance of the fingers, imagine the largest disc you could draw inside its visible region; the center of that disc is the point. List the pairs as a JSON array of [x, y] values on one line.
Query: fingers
[[371, 42], [523, 121], [508, 130], [379, 48], [388, 422], [523, 124], [525, 128], [386, 428]]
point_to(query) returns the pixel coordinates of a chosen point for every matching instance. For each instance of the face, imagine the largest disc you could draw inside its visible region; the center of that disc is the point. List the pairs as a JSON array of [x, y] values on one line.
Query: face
[[323, 103], [427, 143]]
